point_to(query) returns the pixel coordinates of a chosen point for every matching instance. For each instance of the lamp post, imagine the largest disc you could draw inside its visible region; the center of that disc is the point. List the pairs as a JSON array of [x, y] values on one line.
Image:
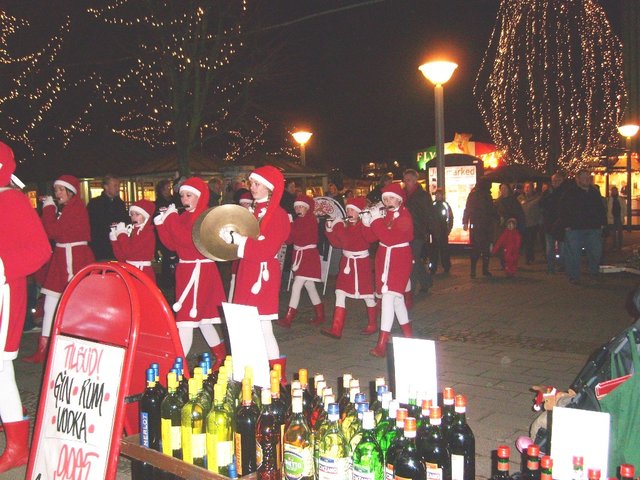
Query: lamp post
[[439, 73], [628, 131], [302, 138]]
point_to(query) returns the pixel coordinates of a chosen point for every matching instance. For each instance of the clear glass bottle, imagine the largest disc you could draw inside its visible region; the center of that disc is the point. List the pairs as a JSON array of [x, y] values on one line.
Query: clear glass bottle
[[193, 429], [321, 426], [171, 415], [368, 458], [334, 453], [461, 443], [267, 441], [298, 445], [350, 420], [219, 434]]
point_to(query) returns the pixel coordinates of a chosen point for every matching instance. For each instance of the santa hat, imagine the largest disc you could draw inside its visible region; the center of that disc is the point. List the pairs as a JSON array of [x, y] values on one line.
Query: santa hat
[[146, 208], [7, 164], [512, 220], [395, 190], [245, 198], [69, 182], [273, 179], [357, 203], [198, 187], [304, 201]]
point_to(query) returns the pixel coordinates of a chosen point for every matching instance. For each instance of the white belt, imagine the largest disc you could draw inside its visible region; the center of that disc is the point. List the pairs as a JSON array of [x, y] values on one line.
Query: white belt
[[69, 255], [139, 264], [5, 302], [192, 284], [352, 257], [297, 260], [387, 261]]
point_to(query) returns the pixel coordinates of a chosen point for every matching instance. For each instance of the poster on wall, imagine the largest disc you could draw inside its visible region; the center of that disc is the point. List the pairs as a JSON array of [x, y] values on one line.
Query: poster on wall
[[79, 412], [459, 180]]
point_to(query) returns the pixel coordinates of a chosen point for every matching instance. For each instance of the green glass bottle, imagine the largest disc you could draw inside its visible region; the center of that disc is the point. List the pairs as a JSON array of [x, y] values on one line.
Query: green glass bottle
[[408, 465], [432, 447], [334, 453], [203, 396], [171, 418], [356, 427], [396, 441], [386, 423], [368, 459], [461, 443], [219, 434], [350, 420], [448, 409], [193, 429], [298, 445]]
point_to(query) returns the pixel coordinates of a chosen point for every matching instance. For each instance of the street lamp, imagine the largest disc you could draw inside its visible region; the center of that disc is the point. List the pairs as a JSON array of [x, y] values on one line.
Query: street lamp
[[302, 138], [439, 73], [628, 131]]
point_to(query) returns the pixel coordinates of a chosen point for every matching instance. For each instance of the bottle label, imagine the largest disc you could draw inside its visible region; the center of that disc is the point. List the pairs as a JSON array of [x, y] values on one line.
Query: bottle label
[[171, 437], [362, 472], [198, 445], [187, 454], [457, 467], [258, 455], [434, 471], [533, 464], [144, 429], [388, 472], [298, 462], [238, 439], [224, 451], [334, 468], [398, 477]]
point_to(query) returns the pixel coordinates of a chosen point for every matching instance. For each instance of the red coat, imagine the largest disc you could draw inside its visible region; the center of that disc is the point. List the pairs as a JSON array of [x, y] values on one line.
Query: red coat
[[305, 261], [509, 243], [394, 259], [175, 234], [139, 246], [24, 248], [354, 275], [71, 231], [258, 279]]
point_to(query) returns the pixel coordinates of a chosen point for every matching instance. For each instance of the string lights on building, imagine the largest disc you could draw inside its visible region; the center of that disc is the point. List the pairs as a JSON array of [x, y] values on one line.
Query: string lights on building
[[550, 88]]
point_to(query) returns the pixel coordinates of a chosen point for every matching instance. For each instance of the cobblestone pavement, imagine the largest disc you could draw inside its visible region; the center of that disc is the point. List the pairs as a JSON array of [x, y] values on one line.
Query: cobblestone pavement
[[495, 338]]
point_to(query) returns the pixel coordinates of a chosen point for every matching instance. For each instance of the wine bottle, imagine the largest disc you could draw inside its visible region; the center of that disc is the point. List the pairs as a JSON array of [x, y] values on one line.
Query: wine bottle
[[193, 429], [321, 427], [627, 471], [432, 447], [298, 445], [387, 422], [354, 389], [279, 410], [307, 399], [219, 434], [161, 389], [203, 397], [346, 391], [183, 382], [502, 468], [350, 420], [284, 394], [319, 413], [368, 459], [397, 441], [245, 432], [412, 405], [170, 413], [532, 467], [376, 405], [448, 409], [150, 419], [267, 441], [461, 444], [408, 464], [546, 468], [334, 453], [424, 415], [356, 427], [578, 468]]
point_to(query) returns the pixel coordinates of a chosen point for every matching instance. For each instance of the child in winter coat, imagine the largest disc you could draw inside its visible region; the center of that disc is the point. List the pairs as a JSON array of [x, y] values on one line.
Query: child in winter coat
[[509, 244]]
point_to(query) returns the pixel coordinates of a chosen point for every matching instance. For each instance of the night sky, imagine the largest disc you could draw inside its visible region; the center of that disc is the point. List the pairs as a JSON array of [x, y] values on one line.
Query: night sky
[[352, 77]]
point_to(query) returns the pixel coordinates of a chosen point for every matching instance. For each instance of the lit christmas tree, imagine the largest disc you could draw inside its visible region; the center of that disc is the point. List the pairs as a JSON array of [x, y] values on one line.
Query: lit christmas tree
[[551, 88]]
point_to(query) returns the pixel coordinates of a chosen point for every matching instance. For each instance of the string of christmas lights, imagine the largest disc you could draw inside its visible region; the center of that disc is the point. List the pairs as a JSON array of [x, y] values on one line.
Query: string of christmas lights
[[550, 88]]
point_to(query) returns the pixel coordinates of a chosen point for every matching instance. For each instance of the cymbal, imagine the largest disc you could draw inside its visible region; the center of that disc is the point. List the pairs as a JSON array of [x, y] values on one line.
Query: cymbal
[[207, 227]]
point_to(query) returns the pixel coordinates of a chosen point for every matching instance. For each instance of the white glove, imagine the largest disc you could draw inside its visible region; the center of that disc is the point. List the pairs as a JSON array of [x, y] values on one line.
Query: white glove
[[366, 218], [225, 235], [48, 200], [112, 234], [330, 224], [376, 213], [159, 219]]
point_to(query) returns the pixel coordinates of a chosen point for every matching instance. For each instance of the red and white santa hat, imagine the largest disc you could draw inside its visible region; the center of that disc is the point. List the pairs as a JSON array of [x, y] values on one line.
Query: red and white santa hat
[[69, 182], [272, 178], [304, 201], [198, 187], [7, 164], [146, 208], [357, 203], [394, 190], [245, 199]]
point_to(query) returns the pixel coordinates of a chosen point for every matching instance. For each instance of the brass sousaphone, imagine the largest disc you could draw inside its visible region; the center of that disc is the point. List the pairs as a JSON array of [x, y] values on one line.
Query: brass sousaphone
[[206, 230]]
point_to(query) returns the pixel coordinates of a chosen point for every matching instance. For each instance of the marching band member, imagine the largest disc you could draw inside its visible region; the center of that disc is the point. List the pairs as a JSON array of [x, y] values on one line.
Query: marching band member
[[135, 244], [354, 274], [199, 290], [67, 224], [305, 264], [259, 276], [23, 249], [393, 262]]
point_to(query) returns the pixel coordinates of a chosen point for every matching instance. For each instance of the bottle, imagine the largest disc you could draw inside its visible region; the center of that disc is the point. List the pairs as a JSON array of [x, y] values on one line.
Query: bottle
[[171, 418], [267, 441], [344, 395], [502, 468], [207, 385], [448, 409], [376, 406], [397, 441], [408, 464], [279, 409], [298, 445], [350, 420], [317, 404], [383, 413], [245, 432], [578, 468], [627, 471], [424, 415], [193, 429], [461, 444], [321, 427], [432, 447], [183, 382], [317, 387], [334, 453], [162, 391], [203, 397], [546, 468], [319, 414], [368, 459], [354, 389], [593, 474], [150, 418], [219, 434], [412, 405], [532, 468], [284, 394], [386, 423]]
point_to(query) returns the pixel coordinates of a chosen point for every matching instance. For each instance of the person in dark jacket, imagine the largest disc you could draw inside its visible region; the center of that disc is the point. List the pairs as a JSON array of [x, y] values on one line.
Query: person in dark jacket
[[479, 219], [169, 258], [375, 195], [584, 217], [553, 231], [104, 211], [443, 224], [507, 206]]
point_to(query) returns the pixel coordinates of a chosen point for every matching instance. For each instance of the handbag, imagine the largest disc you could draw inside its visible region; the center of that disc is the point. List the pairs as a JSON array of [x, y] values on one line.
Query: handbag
[[624, 408]]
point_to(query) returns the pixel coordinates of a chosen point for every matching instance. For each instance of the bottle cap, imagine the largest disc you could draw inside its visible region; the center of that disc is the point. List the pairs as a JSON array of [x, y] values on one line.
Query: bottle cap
[[461, 401], [274, 381], [368, 420], [265, 396], [593, 474], [317, 378], [402, 414], [151, 375], [409, 424], [296, 404], [320, 386], [296, 385], [448, 395], [504, 451], [303, 376], [360, 397], [546, 462], [329, 399], [627, 470], [334, 409], [435, 412], [172, 380], [380, 390], [426, 404], [393, 408], [380, 381], [193, 387], [346, 380], [533, 450], [327, 391], [578, 461], [386, 399], [354, 382], [278, 368], [296, 393], [362, 407]]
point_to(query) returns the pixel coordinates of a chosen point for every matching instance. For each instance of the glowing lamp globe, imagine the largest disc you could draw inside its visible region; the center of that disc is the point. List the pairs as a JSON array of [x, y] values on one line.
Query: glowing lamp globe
[[302, 137], [439, 72], [628, 130]]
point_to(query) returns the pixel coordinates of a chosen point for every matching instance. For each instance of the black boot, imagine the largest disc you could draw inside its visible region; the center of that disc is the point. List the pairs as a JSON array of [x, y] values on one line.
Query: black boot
[[474, 262], [485, 267]]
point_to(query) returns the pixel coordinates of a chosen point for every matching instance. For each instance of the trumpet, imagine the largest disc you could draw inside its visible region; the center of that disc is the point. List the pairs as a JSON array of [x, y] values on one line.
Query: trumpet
[[373, 209]]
